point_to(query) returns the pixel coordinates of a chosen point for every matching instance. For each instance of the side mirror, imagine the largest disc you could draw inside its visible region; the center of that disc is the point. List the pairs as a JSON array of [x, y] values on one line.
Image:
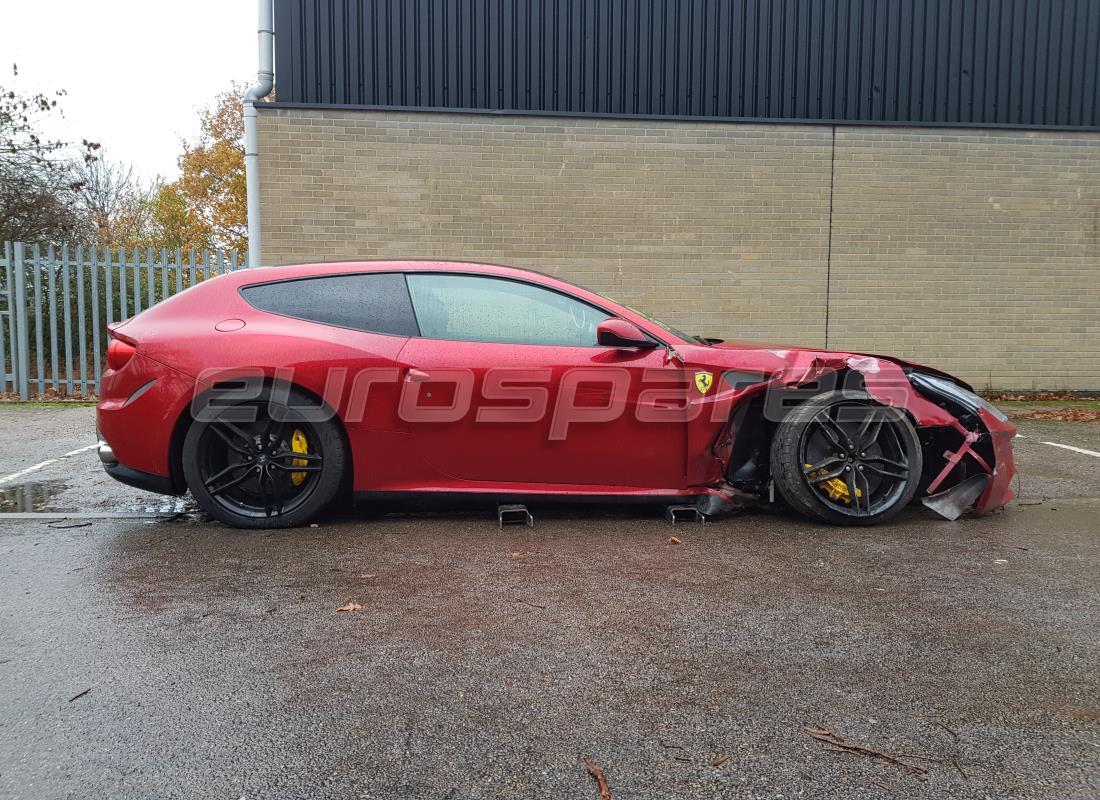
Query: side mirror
[[616, 332]]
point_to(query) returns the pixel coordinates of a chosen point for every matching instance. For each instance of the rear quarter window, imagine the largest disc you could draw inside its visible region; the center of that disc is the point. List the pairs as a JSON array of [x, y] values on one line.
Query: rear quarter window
[[375, 303]]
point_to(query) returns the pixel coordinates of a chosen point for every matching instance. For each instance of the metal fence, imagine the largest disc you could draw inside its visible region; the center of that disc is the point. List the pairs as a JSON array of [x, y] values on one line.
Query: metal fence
[[55, 305]]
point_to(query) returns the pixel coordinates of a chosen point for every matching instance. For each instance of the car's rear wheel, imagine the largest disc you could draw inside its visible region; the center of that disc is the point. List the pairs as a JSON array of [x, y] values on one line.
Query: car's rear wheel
[[842, 458], [264, 464]]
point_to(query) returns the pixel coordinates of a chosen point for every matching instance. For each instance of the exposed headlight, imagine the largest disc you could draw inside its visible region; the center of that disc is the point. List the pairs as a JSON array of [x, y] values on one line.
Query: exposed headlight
[[935, 385]]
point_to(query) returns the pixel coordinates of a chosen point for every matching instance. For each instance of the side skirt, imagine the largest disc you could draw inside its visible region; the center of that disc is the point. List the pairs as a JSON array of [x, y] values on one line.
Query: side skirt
[[454, 499]]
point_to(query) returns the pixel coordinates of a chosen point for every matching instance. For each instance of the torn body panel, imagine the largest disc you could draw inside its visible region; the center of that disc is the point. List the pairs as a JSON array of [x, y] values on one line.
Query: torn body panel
[[730, 426]]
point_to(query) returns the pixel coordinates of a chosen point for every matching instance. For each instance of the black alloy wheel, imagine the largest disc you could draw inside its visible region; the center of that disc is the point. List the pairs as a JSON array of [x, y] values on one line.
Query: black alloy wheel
[[841, 457], [263, 464]]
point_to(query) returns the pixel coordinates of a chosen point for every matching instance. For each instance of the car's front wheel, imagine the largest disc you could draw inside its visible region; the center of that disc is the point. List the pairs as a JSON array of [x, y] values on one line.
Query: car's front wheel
[[842, 458], [271, 463]]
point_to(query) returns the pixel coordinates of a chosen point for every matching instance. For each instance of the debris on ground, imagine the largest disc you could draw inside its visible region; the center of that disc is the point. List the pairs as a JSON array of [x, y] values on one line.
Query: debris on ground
[[673, 540], [350, 607], [962, 771], [1037, 397], [78, 696], [954, 733], [1084, 713], [718, 761], [597, 773], [835, 743], [1072, 414]]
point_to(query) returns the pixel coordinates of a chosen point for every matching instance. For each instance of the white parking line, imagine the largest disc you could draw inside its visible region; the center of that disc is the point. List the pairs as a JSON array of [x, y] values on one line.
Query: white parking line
[[46, 463], [80, 450], [27, 471], [1074, 449]]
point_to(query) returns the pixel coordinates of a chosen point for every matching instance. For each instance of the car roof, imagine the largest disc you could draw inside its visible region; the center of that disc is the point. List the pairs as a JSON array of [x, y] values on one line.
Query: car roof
[[384, 265]]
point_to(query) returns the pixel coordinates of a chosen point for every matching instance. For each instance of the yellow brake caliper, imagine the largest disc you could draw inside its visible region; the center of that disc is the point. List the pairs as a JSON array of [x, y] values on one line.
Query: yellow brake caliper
[[835, 487], [299, 444]]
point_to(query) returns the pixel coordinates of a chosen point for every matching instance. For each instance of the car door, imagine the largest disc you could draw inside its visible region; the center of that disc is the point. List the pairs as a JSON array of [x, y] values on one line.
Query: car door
[[507, 384]]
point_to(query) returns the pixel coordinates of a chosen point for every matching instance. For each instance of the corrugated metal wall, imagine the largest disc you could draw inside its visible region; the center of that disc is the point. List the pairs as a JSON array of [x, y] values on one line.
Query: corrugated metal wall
[[981, 62]]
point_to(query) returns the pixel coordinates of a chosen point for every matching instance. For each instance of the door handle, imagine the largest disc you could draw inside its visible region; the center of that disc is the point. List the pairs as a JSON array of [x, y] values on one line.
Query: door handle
[[414, 375]]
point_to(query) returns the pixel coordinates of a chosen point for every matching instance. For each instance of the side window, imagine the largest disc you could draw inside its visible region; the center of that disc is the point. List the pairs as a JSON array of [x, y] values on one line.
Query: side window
[[376, 302], [472, 308]]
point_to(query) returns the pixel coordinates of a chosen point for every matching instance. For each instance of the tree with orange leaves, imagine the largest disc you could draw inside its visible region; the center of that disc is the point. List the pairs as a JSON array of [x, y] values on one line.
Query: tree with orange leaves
[[206, 206]]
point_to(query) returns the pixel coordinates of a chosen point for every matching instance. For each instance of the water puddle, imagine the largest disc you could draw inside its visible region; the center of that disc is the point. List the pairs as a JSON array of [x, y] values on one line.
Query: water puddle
[[31, 497], [54, 497]]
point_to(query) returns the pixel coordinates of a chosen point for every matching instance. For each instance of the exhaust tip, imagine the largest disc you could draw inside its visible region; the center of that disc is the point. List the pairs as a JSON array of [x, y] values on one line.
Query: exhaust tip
[[106, 454]]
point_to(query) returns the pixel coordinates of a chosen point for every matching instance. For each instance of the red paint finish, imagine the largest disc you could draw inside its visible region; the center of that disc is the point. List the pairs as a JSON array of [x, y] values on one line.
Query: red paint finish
[[999, 491], [574, 432], [437, 415]]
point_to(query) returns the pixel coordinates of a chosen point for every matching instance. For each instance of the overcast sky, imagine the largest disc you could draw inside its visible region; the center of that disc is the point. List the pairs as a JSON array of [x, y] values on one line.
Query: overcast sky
[[136, 71]]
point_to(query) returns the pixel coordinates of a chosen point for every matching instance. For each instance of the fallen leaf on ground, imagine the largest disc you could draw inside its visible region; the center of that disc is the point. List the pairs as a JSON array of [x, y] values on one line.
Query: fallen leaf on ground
[[1060, 414], [673, 540], [350, 607], [718, 761], [597, 773], [1031, 396]]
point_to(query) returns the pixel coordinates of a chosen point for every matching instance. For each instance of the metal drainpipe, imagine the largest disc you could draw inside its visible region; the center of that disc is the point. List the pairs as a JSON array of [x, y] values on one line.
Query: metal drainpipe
[[265, 80]]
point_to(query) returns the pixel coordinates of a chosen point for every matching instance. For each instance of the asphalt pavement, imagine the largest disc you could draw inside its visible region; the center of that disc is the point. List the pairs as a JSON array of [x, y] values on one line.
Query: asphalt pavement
[[168, 656]]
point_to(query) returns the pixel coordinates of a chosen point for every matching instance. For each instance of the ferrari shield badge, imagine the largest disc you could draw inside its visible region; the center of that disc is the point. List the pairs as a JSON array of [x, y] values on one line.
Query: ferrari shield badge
[[703, 382]]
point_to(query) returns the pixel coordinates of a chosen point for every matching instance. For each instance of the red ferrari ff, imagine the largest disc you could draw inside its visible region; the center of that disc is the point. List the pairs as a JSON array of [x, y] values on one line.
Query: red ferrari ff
[[269, 392]]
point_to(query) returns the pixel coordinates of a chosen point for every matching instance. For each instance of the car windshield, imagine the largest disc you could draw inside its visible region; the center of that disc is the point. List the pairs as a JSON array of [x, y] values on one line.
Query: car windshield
[[675, 331]]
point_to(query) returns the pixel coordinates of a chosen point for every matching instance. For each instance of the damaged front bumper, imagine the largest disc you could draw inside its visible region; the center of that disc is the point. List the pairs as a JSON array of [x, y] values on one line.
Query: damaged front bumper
[[987, 491], [999, 491]]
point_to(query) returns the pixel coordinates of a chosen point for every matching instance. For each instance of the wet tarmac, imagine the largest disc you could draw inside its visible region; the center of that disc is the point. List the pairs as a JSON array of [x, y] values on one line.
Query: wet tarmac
[[156, 657]]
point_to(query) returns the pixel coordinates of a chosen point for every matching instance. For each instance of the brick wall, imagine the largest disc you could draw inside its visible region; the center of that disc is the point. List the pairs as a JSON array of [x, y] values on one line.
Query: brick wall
[[978, 252]]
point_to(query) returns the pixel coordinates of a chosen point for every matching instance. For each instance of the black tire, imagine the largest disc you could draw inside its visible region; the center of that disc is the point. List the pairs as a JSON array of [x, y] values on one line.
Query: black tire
[[248, 474], [840, 445]]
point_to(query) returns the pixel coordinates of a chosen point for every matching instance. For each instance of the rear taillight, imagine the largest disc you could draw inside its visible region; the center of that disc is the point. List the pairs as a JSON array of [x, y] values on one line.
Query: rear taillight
[[119, 353]]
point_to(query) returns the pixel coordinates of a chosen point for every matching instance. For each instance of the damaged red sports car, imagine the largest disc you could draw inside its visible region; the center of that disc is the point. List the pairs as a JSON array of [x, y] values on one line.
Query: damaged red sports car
[[270, 392]]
